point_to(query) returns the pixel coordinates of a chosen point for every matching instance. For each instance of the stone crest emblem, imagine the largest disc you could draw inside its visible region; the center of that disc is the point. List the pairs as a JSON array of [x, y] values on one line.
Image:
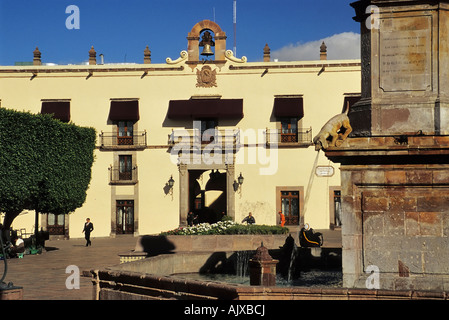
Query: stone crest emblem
[[206, 77]]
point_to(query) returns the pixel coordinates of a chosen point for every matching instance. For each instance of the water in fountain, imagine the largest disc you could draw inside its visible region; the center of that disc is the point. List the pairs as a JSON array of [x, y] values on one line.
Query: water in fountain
[[242, 262], [292, 264]]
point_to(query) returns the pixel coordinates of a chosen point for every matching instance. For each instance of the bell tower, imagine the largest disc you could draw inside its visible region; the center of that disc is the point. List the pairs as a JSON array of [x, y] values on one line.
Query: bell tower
[[207, 35]]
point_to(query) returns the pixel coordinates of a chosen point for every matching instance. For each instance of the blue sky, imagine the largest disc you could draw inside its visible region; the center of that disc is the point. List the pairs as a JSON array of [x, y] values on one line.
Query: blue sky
[[121, 29]]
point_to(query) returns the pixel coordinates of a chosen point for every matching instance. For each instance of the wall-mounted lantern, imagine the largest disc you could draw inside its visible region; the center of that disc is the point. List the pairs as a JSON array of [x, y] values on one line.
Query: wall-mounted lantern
[[238, 184], [171, 183]]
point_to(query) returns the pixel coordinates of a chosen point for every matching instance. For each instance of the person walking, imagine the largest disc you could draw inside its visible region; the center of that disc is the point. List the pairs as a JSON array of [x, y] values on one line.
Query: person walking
[[88, 227], [282, 216]]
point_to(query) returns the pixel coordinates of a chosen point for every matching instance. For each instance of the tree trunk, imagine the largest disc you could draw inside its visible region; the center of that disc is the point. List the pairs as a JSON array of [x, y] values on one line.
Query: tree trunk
[[9, 218], [36, 224]]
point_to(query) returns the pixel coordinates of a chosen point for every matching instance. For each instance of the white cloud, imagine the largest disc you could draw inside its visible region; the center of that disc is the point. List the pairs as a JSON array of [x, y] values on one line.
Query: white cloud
[[344, 45]]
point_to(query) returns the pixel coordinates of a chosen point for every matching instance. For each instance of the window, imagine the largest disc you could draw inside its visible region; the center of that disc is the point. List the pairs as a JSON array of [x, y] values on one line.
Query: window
[[337, 208], [207, 124], [55, 224], [125, 167], [290, 207], [125, 130], [125, 217], [289, 130], [124, 171]]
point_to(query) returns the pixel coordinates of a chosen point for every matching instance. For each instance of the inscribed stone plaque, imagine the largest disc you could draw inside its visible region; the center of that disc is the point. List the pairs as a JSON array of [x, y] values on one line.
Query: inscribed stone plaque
[[405, 54]]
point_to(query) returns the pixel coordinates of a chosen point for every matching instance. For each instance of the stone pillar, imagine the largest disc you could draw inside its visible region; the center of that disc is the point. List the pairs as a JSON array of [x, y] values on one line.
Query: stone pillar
[[92, 56], [262, 268], [395, 210], [230, 192], [183, 194], [405, 60], [220, 46], [395, 167], [266, 53], [37, 57]]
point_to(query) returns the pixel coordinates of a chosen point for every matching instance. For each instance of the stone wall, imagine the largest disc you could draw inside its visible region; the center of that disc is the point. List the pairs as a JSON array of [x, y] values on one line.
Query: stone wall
[[395, 211], [109, 285]]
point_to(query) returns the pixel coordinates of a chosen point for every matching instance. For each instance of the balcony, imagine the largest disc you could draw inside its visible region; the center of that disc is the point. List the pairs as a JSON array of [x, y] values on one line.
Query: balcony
[[124, 177], [112, 141], [290, 138], [224, 139]]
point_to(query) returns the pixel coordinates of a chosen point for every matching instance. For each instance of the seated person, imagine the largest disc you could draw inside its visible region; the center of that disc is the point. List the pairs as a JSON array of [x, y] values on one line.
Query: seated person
[[18, 247], [309, 238], [249, 219]]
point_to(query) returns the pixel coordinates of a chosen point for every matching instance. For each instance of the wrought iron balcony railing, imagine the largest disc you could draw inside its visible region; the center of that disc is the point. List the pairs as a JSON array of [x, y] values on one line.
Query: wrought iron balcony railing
[[299, 138], [112, 141], [119, 175], [193, 138]]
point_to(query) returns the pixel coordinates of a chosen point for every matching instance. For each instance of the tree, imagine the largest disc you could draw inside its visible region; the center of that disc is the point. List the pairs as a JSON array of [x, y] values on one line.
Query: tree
[[45, 164]]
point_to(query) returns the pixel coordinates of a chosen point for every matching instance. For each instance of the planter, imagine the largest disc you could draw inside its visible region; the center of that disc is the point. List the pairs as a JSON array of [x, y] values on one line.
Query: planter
[[154, 245]]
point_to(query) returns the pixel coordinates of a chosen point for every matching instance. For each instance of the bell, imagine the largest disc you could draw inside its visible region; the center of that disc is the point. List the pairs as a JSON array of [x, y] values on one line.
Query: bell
[[207, 51]]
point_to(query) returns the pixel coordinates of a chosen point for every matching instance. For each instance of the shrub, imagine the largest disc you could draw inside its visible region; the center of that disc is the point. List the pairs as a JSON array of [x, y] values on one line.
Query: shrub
[[226, 228]]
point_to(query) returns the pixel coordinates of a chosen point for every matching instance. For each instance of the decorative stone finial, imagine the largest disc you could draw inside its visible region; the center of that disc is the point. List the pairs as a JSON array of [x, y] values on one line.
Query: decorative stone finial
[[323, 51], [147, 56], [266, 53], [92, 56], [37, 57], [262, 254]]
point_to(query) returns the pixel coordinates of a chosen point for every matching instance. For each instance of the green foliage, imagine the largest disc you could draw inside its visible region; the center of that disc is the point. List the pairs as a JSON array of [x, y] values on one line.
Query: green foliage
[[227, 227], [256, 229], [45, 165]]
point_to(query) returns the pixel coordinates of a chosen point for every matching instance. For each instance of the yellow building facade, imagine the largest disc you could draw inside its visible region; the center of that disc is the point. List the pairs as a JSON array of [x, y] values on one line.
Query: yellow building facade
[[205, 132]]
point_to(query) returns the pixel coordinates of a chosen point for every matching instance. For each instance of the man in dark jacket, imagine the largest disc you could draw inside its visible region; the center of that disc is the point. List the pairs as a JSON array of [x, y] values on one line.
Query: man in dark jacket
[[88, 227], [249, 219]]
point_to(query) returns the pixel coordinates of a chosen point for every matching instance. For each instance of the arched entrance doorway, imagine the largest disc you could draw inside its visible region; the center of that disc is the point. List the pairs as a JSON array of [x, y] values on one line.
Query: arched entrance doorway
[[208, 189], [208, 194]]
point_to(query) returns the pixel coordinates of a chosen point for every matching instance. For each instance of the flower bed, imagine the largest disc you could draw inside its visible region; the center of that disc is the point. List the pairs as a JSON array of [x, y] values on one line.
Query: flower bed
[[226, 228]]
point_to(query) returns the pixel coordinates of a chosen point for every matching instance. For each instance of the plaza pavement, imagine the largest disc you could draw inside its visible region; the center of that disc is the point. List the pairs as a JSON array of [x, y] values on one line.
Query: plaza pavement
[[43, 276]]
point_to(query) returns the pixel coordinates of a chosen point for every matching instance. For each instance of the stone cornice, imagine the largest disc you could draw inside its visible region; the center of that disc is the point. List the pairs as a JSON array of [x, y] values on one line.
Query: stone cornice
[[88, 69]]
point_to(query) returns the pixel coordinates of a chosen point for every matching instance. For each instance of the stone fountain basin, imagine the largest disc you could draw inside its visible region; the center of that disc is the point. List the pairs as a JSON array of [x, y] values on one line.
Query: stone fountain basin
[[164, 276]]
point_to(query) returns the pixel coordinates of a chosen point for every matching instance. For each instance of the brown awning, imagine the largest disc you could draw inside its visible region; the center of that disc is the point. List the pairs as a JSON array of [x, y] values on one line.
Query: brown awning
[[124, 110], [205, 108], [288, 107], [59, 109]]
